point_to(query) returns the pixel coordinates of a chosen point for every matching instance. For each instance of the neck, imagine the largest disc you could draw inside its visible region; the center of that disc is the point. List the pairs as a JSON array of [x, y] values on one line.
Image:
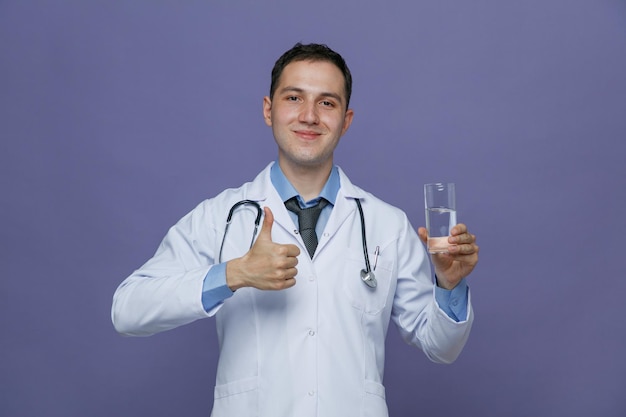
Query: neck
[[307, 180]]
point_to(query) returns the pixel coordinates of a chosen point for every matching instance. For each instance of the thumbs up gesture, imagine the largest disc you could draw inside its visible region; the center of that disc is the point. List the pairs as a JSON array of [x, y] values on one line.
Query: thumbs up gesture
[[267, 265]]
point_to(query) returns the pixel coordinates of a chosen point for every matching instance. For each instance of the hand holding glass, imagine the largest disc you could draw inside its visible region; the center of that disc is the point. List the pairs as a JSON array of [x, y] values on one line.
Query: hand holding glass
[[440, 202]]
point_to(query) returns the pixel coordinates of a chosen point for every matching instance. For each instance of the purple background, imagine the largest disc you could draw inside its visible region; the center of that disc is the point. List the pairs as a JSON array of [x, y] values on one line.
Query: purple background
[[117, 118]]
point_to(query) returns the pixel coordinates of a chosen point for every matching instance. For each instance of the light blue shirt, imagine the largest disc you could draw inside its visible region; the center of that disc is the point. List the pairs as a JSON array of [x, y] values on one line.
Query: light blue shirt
[[214, 291], [286, 191]]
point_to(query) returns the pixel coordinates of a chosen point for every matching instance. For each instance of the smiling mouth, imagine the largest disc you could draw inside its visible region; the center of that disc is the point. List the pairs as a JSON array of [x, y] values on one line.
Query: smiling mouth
[[307, 134]]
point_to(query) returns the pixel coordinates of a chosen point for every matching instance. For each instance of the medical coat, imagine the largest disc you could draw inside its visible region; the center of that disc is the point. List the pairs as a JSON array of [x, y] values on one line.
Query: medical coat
[[316, 349]]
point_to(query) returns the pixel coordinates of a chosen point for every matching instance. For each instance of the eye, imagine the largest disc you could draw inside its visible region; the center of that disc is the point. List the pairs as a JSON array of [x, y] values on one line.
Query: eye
[[327, 103], [292, 98]]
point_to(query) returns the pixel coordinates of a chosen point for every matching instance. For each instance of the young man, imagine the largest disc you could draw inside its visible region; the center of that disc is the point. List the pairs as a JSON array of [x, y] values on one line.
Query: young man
[[300, 326]]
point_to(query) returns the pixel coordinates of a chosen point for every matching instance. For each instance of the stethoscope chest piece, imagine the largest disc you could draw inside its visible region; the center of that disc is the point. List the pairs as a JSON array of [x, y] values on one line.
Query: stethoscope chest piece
[[368, 278]]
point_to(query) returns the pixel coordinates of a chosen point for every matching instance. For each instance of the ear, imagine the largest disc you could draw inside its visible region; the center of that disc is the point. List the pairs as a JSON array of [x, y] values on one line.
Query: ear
[[267, 110], [347, 121]]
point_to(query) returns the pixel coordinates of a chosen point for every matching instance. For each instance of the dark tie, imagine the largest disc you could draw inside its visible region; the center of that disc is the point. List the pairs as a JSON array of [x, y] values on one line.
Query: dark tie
[[307, 219]]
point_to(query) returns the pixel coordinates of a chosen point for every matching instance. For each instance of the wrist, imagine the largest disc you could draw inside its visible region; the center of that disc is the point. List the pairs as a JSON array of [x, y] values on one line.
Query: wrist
[[232, 275], [444, 283]]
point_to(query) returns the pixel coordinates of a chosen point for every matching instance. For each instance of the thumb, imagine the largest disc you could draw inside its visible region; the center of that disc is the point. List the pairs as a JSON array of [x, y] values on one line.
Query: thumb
[[268, 221]]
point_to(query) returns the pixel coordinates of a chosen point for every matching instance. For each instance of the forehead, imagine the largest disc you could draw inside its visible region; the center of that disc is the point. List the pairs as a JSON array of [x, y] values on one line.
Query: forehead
[[313, 76]]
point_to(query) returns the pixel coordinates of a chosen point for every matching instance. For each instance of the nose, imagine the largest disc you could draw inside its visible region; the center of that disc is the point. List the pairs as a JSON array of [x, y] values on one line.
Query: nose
[[309, 113]]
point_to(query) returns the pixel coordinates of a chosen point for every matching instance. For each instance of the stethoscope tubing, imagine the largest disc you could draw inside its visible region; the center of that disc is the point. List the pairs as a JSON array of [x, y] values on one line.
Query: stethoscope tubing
[[257, 221]]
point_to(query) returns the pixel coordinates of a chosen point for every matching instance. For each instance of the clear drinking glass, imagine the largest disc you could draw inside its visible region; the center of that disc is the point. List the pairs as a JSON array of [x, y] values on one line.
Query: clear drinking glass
[[440, 203]]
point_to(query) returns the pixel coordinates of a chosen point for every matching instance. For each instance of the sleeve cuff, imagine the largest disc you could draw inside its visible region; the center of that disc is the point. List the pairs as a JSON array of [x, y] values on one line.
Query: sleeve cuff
[[214, 288], [453, 302]]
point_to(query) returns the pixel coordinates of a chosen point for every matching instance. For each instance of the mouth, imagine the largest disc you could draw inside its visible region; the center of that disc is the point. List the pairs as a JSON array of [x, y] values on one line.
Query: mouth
[[307, 134]]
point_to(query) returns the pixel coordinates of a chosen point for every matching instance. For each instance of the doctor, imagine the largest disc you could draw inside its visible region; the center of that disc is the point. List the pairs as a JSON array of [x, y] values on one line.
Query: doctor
[[300, 333]]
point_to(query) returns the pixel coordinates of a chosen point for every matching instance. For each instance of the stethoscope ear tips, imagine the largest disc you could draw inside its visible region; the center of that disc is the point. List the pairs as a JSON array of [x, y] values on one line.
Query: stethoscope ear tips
[[368, 278]]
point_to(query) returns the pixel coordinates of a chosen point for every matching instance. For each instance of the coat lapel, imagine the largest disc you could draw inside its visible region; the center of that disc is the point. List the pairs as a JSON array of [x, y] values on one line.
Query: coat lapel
[[262, 190], [344, 209]]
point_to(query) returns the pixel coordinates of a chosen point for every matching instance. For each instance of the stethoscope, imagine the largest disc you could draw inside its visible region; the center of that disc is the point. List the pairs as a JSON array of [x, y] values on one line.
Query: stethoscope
[[367, 274]]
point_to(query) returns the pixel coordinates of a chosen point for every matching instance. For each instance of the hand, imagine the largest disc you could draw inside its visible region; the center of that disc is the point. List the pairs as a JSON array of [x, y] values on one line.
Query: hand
[[460, 260], [267, 265]]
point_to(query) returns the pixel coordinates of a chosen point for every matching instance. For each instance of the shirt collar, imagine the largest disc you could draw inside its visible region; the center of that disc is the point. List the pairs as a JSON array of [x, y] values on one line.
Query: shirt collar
[[286, 190]]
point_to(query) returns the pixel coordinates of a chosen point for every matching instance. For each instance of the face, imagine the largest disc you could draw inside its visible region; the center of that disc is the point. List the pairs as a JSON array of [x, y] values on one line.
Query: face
[[308, 114]]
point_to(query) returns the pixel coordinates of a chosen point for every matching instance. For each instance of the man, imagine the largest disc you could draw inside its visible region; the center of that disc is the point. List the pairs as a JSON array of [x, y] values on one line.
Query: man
[[300, 331]]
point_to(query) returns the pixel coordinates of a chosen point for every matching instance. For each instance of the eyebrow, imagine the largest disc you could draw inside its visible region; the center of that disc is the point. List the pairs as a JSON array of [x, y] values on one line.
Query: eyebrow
[[300, 90]]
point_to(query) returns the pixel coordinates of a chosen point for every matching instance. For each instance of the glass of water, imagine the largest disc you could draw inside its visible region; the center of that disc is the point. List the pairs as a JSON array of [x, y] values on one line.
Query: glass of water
[[440, 202]]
